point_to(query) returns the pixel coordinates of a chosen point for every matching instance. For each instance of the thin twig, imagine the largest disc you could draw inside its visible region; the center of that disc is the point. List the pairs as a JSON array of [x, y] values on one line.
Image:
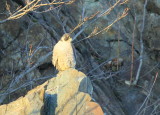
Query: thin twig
[[137, 113], [103, 30], [27, 84], [3, 21], [23, 73], [141, 44], [32, 6], [97, 16], [132, 58]]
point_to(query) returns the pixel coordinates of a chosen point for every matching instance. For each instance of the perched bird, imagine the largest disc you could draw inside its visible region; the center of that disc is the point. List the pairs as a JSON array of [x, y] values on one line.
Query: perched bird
[[63, 54]]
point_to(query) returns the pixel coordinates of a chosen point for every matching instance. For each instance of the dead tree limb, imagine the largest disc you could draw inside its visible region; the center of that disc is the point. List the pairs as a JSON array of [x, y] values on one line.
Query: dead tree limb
[[141, 44], [22, 74]]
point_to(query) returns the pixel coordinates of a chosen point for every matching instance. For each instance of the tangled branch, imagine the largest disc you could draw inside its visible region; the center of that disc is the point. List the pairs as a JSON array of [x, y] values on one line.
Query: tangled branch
[[93, 18], [32, 6]]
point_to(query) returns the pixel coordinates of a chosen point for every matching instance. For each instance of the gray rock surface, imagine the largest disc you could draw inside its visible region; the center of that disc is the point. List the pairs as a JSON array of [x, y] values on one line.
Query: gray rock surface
[[24, 41]]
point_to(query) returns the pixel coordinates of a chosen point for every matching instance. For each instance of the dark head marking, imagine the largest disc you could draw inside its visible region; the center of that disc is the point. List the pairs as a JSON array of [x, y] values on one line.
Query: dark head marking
[[66, 37]]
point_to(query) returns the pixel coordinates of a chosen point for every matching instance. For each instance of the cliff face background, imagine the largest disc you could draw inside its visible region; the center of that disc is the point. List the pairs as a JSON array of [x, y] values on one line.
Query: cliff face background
[[26, 44]]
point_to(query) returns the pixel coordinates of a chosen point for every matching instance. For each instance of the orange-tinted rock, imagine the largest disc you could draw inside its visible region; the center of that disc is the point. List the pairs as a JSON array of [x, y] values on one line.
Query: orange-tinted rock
[[93, 108], [67, 94]]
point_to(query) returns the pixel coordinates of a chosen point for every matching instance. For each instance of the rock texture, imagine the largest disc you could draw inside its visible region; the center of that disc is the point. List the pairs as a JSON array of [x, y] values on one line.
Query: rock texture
[[26, 45], [31, 104], [67, 94]]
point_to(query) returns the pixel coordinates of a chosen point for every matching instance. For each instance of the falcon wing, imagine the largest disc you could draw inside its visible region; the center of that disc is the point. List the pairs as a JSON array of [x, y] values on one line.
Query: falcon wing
[[74, 54], [55, 55]]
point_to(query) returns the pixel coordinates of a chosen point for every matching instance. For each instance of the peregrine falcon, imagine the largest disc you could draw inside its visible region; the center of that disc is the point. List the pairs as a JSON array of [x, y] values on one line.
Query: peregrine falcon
[[63, 54]]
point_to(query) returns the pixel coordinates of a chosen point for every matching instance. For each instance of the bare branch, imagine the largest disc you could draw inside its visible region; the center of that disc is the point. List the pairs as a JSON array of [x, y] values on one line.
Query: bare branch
[[32, 6], [94, 32], [26, 84], [132, 57], [137, 113], [109, 26], [22, 74], [97, 16], [141, 44], [3, 21]]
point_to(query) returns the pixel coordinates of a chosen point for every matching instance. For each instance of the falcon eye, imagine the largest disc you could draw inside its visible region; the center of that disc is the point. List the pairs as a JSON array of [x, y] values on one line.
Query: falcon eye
[[66, 38]]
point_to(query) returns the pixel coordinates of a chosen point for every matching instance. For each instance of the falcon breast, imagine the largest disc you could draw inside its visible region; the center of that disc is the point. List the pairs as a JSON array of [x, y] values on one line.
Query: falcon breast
[[63, 54]]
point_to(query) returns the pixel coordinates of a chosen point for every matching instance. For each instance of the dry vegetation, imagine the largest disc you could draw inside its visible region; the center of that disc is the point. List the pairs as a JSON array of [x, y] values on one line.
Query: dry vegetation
[[77, 29]]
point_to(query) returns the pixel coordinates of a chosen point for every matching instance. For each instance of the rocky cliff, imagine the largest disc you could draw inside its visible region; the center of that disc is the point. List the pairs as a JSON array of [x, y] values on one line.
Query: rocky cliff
[[69, 93], [110, 59]]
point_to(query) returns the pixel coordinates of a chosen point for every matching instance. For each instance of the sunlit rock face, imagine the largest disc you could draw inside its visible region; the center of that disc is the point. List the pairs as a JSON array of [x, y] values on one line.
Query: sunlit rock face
[[24, 41], [69, 93]]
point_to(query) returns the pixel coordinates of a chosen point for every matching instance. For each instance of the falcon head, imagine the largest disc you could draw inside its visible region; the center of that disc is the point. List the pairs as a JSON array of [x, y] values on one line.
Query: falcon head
[[66, 37]]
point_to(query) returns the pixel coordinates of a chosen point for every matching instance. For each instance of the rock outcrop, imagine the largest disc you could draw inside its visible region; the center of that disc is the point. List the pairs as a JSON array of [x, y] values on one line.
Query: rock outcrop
[[69, 93], [26, 45]]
